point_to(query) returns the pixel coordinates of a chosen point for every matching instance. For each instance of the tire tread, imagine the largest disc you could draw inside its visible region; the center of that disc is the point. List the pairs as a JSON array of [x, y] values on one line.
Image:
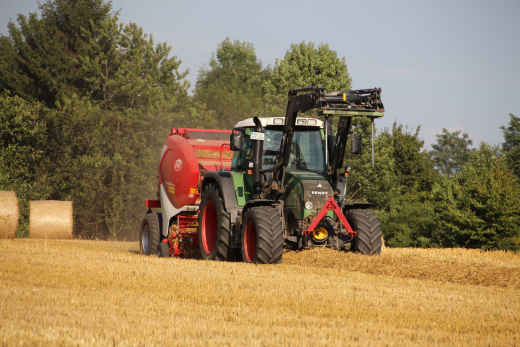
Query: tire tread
[[368, 229], [222, 250], [270, 240]]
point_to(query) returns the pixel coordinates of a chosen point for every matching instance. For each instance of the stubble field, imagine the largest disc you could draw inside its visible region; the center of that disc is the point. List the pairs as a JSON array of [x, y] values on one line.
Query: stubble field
[[94, 293]]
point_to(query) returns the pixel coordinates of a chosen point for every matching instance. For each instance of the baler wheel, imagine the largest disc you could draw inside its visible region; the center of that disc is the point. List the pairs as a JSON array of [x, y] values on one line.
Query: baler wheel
[[262, 236], [368, 229], [214, 226], [150, 234], [163, 250]]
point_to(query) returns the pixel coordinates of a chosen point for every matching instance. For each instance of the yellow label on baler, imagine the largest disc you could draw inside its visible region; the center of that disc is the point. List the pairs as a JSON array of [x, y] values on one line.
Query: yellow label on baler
[[171, 190], [193, 190]]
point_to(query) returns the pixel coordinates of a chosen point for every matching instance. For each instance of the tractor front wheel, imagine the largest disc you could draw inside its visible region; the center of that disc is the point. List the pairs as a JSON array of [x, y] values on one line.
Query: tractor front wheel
[[368, 229], [150, 234], [214, 226], [262, 236]]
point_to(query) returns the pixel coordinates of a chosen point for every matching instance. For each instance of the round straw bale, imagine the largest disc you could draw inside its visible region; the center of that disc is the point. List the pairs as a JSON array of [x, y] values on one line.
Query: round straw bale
[[8, 215], [50, 219]]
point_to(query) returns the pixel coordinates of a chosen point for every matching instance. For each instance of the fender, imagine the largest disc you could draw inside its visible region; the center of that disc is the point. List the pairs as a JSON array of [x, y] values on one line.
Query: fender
[[259, 202], [227, 187], [263, 202]]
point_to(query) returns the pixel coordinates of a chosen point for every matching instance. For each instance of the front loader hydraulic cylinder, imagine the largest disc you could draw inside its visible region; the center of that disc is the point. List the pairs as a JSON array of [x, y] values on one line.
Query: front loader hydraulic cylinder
[[258, 146]]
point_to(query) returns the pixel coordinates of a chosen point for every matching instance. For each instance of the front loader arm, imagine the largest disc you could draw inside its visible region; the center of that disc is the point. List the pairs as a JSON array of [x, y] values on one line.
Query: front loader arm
[[349, 103], [344, 125], [364, 100]]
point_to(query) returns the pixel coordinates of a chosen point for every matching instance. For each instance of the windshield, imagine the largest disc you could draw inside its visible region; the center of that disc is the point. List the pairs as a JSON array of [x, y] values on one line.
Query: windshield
[[306, 150]]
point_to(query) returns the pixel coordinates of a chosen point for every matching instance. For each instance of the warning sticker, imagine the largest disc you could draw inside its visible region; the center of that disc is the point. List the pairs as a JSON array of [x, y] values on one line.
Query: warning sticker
[[193, 190], [171, 190]]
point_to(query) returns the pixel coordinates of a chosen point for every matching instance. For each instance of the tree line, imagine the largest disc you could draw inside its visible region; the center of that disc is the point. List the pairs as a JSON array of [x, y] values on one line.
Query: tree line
[[86, 103]]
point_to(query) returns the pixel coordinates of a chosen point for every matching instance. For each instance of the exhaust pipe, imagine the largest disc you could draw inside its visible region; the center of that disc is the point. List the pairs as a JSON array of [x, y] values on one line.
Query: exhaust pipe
[[258, 147]]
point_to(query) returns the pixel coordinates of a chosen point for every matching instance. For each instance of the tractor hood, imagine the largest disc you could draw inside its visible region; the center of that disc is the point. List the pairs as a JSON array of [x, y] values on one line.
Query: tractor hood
[[305, 188], [302, 175]]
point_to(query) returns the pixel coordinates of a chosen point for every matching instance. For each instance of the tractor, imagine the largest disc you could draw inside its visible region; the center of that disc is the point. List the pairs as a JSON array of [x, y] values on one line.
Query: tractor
[[283, 186]]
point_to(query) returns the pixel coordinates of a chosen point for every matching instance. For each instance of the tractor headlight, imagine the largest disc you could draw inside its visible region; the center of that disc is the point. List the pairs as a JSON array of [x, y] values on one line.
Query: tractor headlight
[[312, 122], [278, 121], [301, 121], [308, 205]]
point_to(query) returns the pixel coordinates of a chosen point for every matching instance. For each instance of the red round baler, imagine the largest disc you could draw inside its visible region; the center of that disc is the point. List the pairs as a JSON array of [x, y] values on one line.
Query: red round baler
[[180, 174]]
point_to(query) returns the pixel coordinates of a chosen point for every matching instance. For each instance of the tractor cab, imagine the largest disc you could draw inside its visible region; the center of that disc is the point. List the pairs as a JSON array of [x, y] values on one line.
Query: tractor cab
[[307, 148]]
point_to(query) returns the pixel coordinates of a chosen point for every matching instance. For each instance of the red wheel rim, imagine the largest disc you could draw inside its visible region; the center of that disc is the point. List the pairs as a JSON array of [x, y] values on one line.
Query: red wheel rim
[[209, 227], [250, 241]]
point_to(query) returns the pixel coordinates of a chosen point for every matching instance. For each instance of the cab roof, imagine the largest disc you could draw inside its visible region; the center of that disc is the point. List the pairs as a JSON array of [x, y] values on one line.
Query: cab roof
[[268, 121]]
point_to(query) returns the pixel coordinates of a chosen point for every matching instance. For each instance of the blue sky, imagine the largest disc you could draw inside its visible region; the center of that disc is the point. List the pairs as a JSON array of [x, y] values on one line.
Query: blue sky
[[441, 64]]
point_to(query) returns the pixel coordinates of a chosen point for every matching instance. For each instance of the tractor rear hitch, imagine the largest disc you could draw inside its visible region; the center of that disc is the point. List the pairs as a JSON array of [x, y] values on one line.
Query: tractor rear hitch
[[330, 205]]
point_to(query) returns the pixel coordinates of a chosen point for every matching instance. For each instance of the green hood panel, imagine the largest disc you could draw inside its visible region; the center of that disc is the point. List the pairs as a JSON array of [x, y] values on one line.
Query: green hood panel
[[301, 187], [305, 186], [302, 175]]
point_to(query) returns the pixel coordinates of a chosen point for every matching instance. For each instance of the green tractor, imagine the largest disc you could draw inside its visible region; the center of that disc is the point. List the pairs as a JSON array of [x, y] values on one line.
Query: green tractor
[[287, 186]]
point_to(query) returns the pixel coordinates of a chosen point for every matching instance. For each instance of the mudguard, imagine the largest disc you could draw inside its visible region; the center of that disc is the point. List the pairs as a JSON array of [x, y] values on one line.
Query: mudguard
[[264, 202], [259, 202], [226, 184]]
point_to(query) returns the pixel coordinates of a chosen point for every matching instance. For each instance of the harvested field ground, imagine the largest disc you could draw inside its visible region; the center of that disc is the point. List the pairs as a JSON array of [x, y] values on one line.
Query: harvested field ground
[[94, 293]]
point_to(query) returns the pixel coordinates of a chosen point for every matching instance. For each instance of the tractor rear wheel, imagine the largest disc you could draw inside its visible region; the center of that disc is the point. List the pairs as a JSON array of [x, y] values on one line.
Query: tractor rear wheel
[[150, 234], [262, 236], [366, 224], [214, 226]]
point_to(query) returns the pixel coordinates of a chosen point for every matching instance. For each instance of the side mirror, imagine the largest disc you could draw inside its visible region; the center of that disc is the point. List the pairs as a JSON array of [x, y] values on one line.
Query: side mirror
[[356, 145], [235, 142]]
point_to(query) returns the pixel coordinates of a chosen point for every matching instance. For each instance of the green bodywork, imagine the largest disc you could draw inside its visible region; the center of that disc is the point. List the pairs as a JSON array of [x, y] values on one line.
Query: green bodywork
[[243, 187], [294, 191]]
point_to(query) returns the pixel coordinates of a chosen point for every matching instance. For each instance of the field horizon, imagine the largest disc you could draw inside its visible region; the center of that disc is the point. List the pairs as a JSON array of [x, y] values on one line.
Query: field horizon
[[99, 293]]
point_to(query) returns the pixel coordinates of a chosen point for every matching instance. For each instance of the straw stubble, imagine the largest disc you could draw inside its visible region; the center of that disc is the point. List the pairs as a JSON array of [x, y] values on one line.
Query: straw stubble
[[87, 293]]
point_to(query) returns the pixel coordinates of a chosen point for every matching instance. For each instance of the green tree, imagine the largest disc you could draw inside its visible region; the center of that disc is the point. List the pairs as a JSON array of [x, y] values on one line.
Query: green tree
[[110, 94], [451, 151], [480, 206], [398, 184], [408, 215], [305, 65], [376, 184], [231, 88], [413, 167], [136, 88], [23, 168], [39, 59], [511, 144]]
